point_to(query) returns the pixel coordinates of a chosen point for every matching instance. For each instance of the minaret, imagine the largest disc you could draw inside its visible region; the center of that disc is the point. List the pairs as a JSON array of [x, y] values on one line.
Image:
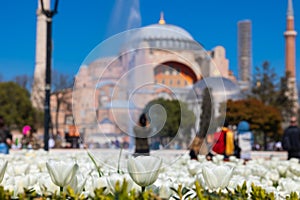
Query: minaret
[[290, 60], [38, 88]]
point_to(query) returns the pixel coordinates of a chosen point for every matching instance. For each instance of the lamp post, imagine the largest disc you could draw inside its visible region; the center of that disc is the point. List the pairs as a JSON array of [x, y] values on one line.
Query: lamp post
[[49, 14]]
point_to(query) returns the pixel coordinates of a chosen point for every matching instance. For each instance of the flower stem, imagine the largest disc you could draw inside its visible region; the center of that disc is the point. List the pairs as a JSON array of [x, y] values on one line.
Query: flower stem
[[118, 171], [143, 188], [100, 173], [61, 189]]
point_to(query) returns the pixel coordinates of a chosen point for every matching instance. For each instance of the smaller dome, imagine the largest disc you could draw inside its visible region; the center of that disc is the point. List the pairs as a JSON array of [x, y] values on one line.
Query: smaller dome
[[106, 121], [221, 87]]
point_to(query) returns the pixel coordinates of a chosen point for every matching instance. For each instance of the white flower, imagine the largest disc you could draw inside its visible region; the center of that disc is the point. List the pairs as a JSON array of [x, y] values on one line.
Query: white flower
[[112, 181], [61, 172], [20, 168], [295, 169], [273, 175], [194, 167], [24, 182], [235, 181], [78, 183], [46, 185], [94, 182], [288, 185], [218, 159], [217, 177], [144, 170]]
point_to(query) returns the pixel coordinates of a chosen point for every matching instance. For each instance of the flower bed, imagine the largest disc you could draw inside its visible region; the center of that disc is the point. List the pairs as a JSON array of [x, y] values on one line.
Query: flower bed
[[83, 175]]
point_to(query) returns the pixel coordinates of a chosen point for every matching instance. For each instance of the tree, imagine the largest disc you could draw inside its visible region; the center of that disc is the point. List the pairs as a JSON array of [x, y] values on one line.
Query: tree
[[265, 86], [16, 107], [271, 92], [262, 118], [179, 117], [207, 112], [283, 102], [61, 85], [24, 81]]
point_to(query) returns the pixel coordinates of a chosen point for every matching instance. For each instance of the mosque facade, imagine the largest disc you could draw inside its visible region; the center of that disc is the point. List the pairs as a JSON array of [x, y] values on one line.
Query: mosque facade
[[156, 61]]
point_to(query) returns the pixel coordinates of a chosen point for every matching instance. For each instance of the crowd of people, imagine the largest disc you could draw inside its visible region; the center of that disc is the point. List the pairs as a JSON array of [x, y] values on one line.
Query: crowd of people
[[240, 142], [227, 141]]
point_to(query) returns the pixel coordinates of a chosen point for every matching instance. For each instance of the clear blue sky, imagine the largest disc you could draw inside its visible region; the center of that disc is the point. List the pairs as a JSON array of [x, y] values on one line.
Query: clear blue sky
[[81, 25]]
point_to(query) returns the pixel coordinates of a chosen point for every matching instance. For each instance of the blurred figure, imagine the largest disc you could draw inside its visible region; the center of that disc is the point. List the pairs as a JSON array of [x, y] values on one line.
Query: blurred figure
[[291, 139], [245, 140], [5, 137], [224, 141], [278, 146], [29, 141], [195, 148], [142, 132]]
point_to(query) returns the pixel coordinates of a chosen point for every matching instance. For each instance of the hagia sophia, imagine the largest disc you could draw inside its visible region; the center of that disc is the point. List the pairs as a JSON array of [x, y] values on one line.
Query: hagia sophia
[[159, 60], [121, 75]]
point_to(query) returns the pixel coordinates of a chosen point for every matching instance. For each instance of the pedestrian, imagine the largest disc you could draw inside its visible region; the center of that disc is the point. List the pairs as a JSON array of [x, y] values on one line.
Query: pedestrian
[[224, 141], [142, 132], [5, 137], [29, 141], [291, 139], [195, 148], [245, 140]]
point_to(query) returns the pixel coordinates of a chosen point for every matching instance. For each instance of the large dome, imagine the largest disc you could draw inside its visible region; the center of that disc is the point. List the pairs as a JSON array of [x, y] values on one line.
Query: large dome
[[164, 31], [164, 36]]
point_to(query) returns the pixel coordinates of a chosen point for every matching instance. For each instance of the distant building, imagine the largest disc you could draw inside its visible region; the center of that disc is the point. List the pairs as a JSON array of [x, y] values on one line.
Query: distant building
[[156, 61], [245, 54], [167, 63]]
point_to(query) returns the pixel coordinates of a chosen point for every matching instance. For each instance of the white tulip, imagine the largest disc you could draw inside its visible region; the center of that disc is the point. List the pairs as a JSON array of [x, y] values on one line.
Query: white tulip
[[194, 167], [78, 183], [20, 168], [273, 175], [282, 169], [61, 172], [235, 181], [295, 169], [144, 170], [95, 182], [288, 185], [46, 185], [201, 158], [217, 177], [24, 182], [218, 159]]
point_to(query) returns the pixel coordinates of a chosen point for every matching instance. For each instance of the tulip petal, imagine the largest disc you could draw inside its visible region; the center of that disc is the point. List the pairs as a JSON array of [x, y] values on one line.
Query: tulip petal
[[53, 173], [2, 170]]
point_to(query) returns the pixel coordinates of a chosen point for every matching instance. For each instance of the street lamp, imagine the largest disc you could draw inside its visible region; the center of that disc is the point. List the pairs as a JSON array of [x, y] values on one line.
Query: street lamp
[[49, 14]]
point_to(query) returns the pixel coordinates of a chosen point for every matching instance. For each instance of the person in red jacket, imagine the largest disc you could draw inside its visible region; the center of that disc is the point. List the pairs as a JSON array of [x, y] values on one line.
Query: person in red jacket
[[224, 141]]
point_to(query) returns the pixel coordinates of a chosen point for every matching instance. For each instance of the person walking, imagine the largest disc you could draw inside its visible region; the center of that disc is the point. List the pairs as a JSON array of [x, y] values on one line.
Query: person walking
[[195, 148], [245, 140], [142, 132], [5, 137], [224, 141], [29, 141], [291, 139]]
